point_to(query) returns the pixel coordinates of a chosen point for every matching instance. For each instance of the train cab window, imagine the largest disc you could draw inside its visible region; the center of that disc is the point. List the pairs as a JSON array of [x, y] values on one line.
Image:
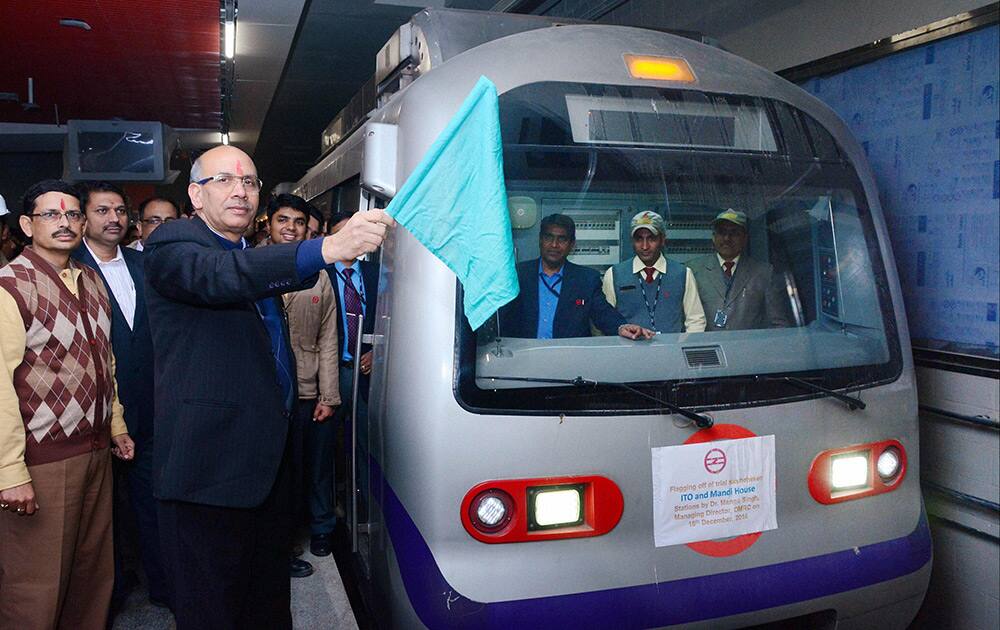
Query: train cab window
[[601, 154]]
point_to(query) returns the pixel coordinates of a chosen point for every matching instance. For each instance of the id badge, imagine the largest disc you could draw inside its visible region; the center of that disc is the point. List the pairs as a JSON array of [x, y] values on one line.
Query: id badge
[[720, 318]]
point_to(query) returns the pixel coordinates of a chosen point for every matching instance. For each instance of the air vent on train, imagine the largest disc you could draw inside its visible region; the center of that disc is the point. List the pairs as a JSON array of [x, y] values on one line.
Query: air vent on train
[[703, 356]]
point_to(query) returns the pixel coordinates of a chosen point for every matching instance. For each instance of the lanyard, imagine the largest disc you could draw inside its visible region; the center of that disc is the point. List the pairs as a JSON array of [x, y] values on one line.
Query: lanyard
[[651, 310], [551, 287]]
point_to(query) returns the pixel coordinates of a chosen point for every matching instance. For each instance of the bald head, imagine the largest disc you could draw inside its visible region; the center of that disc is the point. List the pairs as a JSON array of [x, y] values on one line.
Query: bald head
[[228, 200], [202, 166]]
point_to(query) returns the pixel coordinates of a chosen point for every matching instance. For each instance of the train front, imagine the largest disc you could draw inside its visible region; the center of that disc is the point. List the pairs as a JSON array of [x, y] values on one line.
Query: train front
[[574, 482]]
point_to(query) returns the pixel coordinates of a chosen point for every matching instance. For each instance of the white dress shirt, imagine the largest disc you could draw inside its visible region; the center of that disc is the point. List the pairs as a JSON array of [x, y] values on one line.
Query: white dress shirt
[[120, 280]]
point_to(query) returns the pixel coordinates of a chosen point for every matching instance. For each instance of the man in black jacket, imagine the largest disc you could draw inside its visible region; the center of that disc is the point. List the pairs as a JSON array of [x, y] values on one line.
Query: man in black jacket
[[120, 268], [225, 386], [559, 299]]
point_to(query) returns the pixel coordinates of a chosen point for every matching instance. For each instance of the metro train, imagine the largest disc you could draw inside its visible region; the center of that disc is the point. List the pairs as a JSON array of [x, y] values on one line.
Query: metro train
[[518, 483]]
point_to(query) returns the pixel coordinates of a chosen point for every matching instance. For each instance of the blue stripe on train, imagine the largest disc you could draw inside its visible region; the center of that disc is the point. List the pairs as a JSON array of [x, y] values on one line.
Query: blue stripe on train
[[439, 605]]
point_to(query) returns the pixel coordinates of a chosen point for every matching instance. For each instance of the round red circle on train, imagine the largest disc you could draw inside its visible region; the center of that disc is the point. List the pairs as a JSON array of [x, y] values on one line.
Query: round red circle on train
[[738, 544]]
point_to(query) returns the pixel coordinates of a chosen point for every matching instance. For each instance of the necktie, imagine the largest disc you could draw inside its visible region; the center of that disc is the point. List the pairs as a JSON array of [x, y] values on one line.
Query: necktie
[[649, 274], [352, 305], [728, 268]]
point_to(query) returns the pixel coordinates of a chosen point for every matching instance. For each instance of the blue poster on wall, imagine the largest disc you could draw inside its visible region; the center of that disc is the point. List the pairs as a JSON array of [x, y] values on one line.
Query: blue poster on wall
[[929, 121]]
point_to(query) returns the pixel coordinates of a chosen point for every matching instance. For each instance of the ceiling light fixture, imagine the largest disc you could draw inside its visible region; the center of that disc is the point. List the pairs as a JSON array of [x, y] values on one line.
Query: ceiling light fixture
[[225, 138], [230, 38], [75, 23]]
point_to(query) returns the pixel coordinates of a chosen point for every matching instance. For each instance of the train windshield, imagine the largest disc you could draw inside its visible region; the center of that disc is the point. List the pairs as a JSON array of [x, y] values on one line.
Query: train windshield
[[628, 168]]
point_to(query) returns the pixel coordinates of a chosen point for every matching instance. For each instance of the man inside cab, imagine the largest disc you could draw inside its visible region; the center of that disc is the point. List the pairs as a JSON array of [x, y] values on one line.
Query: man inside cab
[[650, 290], [559, 299], [737, 291]]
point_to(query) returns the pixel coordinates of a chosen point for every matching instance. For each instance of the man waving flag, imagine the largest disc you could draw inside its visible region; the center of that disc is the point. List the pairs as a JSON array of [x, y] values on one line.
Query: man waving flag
[[455, 203]]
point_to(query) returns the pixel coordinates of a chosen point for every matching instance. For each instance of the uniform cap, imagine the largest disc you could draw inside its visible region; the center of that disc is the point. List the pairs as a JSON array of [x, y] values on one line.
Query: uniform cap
[[733, 216], [648, 220]]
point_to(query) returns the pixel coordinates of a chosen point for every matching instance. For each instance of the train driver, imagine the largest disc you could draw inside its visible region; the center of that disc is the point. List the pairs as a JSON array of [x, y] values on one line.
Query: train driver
[[559, 299], [737, 291], [651, 290]]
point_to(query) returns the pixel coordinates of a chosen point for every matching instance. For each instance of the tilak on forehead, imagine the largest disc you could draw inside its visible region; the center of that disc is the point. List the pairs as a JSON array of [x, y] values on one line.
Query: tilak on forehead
[[239, 168], [62, 204]]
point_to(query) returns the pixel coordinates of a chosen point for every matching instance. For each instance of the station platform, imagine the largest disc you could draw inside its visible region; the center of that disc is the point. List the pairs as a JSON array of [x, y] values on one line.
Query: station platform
[[319, 601]]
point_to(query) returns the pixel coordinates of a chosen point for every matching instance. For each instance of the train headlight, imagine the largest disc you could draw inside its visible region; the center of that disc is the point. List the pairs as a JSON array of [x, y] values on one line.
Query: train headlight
[[555, 506], [491, 510], [888, 464], [849, 471], [858, 471]]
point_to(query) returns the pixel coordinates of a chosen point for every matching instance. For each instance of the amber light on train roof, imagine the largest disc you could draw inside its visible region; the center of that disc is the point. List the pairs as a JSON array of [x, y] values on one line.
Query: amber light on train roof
[[659, 68]]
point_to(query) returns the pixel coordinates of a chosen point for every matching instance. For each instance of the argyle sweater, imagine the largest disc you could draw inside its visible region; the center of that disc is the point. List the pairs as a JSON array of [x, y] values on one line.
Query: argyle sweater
[[64, 384]]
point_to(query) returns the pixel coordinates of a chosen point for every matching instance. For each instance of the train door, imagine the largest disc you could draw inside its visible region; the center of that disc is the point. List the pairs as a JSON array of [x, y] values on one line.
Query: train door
[[367, 401]]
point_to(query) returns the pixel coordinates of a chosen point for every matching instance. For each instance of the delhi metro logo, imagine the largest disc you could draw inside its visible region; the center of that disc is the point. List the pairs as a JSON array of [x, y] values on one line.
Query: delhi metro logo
[[715, 461]]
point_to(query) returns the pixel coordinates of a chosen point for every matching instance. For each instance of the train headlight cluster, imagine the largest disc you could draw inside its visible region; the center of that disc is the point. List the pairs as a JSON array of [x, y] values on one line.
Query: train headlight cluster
[[854, 472], [527, 510]]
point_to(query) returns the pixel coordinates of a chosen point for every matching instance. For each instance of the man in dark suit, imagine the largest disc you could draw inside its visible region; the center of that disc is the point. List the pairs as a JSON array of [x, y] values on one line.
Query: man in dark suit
[[559, 299], [225, 387], [106, 208], [737, 291], [355, 284]]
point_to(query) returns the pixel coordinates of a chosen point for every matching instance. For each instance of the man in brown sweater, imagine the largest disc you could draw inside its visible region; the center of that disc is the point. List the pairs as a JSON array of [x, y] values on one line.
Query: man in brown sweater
[[59, 414]]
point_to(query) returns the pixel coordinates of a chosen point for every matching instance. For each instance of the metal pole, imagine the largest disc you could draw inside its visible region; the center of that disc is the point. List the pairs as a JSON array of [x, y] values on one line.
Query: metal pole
[[354, 434]]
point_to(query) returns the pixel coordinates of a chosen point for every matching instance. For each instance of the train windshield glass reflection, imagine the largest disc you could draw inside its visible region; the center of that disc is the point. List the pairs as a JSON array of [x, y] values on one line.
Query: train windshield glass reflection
[[600, 154]]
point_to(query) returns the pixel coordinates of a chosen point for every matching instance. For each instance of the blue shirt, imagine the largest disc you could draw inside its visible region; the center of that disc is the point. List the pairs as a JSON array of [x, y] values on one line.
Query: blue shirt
[[548, 300], [347, 353], [308, 260]]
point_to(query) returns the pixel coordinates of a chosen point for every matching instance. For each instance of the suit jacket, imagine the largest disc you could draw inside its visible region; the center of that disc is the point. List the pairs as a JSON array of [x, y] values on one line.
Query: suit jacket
[[581, 302], [221, 422], [756, 299], [133, 349]]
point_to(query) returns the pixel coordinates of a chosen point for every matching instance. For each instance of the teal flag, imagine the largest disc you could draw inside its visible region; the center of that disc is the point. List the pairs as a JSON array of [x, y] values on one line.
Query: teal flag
[[455, 203]]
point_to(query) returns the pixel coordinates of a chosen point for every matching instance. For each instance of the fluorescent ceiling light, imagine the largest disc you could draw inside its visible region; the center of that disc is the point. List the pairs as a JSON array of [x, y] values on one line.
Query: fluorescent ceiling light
[[230, 39]]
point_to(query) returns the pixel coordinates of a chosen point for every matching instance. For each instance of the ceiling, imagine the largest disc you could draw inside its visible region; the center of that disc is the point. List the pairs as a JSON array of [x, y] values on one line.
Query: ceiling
[[333, 56], [141, 60]]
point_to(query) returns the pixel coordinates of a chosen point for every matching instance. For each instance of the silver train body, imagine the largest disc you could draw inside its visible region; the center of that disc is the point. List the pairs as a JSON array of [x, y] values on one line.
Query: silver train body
[[427, 442]]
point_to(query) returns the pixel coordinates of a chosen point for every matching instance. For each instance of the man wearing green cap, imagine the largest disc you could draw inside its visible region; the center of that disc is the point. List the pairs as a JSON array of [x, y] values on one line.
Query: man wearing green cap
[[737, 291], [651, 290]]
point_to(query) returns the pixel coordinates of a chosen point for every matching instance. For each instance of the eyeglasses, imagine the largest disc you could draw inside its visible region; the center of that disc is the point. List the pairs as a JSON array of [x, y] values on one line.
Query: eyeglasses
[[156, 220], [52, 216], [562, 239], [250, 183], [121, 211]]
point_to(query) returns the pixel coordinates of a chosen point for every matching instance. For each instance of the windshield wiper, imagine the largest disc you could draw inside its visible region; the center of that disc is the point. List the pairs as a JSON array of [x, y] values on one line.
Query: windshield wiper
[[851, 401], [703, 422]]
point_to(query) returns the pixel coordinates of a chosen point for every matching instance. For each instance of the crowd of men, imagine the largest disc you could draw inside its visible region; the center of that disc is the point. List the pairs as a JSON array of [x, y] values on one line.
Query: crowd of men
[[648, 293], [242, 356]]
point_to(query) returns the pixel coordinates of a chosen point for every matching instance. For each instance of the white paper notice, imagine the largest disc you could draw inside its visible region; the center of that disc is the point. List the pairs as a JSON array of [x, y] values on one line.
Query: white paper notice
[[713, 490]]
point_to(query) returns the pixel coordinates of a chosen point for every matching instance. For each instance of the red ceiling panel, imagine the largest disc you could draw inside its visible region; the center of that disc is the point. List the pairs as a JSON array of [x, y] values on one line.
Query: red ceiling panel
[[142, 60]]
